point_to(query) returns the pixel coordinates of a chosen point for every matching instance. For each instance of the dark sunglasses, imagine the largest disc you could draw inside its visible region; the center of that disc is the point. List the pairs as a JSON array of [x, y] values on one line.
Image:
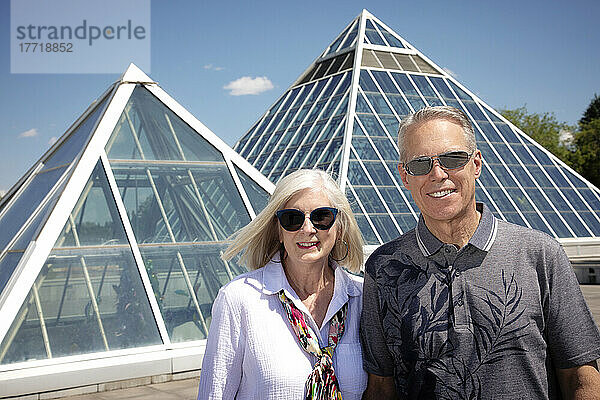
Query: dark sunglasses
[[322, 218], [449, 160]]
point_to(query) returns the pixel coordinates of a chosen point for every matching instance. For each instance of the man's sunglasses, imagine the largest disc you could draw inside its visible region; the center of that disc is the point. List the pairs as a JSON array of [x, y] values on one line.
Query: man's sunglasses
[[449, 160], [322, 218]]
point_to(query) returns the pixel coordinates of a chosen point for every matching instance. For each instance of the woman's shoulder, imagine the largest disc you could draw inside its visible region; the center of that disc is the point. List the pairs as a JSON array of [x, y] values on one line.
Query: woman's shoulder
[[243, 285]]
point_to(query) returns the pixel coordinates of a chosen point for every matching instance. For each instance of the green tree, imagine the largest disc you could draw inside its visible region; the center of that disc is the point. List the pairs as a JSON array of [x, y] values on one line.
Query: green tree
[[592, 112], [544, 128], [587, 143]]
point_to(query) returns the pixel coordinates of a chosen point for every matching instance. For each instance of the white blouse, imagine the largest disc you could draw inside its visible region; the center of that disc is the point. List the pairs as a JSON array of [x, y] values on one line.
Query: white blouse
[[252, 351]]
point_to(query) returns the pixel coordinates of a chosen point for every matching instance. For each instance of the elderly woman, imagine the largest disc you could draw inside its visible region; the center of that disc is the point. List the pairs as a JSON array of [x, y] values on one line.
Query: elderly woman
[[289, 328]]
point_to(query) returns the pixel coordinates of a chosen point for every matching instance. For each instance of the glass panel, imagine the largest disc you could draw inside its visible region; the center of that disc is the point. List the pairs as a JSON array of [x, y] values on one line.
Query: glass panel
[[361, 104], [257, 195], [539, 200], [502, 174], [508, 134], [378, 173], [591, 221], [386, 149], [556, 176], [442, 88], [559, 227], [207, 273], [385, 227], [416, 102], [7, 267], [500, 199], [539, 176], [366, 230], [574, 200], [364, 149], [94, 221], [86, 299], [76, 141], [350, 38], [366, 83], [520, 200], [399, 105], [148, 126], [575, 180], [369, 199], [374, 37], [394, 200], [521, 176], [487, 179], [489, 156], [385, 82], [404, 84], [379, 104], [356, 175], [575, 224], [178, 189], [424, 86], [506, 155], [522, 154], [537, 223], [406, 221], [27, 202], [591, 198], [459, 92], [371, 125]]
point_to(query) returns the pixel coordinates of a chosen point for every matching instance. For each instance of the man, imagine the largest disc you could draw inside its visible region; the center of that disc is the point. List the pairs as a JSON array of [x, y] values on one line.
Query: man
[[466, 306]]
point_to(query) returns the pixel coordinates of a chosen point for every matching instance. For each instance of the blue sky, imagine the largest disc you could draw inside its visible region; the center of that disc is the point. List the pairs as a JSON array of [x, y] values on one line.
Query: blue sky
[[543, 54]]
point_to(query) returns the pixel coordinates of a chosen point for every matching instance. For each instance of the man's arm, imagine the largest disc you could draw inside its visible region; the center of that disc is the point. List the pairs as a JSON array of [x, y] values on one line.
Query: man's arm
[[380, 388], [579, 383]]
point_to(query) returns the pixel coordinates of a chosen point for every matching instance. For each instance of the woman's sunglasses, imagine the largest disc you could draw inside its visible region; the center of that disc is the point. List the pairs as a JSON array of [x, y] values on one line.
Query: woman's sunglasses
[[322, 218], [450, 160]]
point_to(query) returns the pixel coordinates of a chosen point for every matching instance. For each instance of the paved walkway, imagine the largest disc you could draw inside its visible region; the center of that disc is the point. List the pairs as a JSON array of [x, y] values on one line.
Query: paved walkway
[[188, 389]]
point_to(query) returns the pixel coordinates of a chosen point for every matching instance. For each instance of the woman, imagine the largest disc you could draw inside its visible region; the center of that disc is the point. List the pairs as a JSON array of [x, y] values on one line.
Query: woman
[[289, 328]]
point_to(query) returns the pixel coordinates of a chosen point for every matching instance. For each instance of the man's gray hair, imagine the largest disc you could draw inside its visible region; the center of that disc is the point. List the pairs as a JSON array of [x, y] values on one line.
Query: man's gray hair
[[432, 113]]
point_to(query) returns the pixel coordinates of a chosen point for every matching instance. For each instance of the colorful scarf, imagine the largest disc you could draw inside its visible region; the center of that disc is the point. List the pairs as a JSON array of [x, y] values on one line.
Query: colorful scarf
[[322, 383]]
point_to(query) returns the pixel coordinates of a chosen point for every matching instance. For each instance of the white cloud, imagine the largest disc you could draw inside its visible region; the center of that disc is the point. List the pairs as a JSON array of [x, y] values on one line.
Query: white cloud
[[213, 67], [451, 73], [247, 85], [30, 133], [52, 140]]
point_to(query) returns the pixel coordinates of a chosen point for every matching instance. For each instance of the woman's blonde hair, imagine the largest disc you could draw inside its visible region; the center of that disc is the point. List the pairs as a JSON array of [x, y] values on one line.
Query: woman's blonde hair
[[259, 240]]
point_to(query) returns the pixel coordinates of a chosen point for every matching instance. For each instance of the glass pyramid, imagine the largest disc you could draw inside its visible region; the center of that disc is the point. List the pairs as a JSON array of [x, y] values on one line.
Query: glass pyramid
[[111, 243], [342, 115]]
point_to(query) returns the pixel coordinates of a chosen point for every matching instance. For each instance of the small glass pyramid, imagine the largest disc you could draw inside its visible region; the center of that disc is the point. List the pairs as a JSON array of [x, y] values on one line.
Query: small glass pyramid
[[112, 241]]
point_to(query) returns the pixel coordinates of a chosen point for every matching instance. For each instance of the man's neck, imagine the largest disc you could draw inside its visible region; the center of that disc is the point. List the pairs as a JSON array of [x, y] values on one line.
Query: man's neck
[[457, 231]]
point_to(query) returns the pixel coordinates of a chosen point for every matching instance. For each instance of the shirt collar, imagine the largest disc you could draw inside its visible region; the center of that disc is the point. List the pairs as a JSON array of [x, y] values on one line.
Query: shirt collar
[[483, 238], [274, 279]]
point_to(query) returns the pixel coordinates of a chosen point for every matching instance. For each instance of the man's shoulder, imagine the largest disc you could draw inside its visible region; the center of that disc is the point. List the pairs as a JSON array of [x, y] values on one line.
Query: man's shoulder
[[397, 249], [513, 236]]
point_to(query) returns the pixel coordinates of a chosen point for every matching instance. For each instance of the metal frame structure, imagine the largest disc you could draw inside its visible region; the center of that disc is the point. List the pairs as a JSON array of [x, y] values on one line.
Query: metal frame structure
[[24, 257], [389, 78]]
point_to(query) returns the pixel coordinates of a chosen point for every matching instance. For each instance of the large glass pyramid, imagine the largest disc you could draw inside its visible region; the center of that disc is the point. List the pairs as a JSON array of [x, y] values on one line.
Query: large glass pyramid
[[342, 115], [110, 245]]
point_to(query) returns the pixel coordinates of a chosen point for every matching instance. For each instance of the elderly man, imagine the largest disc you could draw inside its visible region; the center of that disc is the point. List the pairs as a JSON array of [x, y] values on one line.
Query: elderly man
[[466, 306]]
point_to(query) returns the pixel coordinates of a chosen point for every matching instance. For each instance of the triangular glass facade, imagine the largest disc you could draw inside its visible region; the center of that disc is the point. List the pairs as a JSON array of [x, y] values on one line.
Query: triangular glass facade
[[137, 261], [387, 79], [89, 295]]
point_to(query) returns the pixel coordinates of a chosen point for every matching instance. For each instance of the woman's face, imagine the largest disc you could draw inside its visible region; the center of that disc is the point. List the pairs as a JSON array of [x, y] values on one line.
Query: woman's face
[[308, 245]]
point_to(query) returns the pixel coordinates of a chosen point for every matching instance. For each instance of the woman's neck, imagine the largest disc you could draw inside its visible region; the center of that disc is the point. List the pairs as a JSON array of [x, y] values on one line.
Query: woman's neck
[[314, 284]]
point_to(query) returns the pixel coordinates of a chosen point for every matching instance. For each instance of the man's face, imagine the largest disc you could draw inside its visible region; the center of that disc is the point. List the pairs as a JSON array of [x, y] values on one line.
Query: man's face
[[441, 195]]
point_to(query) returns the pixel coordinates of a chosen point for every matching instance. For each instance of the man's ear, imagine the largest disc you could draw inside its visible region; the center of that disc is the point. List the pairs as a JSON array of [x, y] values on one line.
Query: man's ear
[[403, 175], [478, 161]]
